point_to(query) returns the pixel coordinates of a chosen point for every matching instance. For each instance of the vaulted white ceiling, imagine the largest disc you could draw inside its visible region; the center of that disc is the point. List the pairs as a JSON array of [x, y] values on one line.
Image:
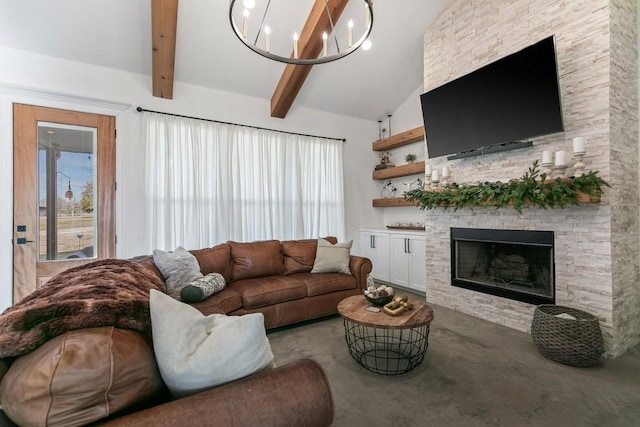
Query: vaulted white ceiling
[[117, 34]]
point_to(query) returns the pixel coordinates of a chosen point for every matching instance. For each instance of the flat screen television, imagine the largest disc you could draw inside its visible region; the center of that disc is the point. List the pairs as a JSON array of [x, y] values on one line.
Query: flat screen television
[[497, 107]]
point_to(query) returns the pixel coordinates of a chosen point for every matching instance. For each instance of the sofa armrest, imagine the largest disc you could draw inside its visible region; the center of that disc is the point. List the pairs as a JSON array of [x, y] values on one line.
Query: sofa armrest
[[360, 268], [296, 394]]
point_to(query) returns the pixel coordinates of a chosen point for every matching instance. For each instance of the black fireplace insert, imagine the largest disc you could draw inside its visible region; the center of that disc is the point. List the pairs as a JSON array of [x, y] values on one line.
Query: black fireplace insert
[[515, 264]]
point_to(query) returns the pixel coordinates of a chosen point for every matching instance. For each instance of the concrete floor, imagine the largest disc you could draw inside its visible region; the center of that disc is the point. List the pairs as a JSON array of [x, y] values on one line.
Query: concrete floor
[[475, 373]]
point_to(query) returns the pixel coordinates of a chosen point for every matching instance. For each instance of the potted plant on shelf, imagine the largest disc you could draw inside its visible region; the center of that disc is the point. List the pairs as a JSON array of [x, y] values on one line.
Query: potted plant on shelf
[[410, 158], [385, 160]]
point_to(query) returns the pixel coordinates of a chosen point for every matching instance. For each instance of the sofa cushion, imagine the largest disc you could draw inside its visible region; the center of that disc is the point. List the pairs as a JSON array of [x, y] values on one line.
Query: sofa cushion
[[324, 283], [299, 255], [332, 258], [178, 268], [263, 291], [256, 259], [202, 288], [215, 260], [225, 301], [196, 352], [80, 377]]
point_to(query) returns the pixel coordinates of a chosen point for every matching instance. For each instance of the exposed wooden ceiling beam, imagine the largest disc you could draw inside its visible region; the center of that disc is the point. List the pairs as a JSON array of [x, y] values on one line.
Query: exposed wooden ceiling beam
[[164, 21], [309, 46]]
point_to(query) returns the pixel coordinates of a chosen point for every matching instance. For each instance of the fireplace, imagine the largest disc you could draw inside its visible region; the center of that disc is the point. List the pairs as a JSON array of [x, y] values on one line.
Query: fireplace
[[515, 264]]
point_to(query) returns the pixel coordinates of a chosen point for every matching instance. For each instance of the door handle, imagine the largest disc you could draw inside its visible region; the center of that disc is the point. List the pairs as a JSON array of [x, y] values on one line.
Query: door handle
[[22, 241]]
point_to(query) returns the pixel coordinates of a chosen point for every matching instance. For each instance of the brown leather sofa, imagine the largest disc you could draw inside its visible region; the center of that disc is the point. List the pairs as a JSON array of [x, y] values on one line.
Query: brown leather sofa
[[270, 277], [296, 394], [274, 278]]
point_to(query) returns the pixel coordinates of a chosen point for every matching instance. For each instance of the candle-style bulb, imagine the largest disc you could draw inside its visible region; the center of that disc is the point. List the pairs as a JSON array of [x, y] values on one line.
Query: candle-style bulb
[[245, 22], [350, 32], [267, 38], [295, 45], [324, 44]]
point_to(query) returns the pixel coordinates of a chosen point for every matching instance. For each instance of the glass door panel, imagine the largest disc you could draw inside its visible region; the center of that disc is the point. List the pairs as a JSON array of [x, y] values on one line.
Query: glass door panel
[[66, 191]]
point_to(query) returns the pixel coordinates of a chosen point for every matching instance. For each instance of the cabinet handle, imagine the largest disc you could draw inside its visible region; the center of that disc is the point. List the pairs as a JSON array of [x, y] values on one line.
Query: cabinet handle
[[407, 249], [372, 241]]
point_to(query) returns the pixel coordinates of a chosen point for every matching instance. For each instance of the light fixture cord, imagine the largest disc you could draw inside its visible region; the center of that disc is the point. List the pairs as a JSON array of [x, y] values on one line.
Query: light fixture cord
[[335, 37], [266, 9]]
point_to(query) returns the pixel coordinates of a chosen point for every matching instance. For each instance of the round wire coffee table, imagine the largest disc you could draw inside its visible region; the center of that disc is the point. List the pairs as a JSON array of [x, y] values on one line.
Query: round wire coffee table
[[384, 344]]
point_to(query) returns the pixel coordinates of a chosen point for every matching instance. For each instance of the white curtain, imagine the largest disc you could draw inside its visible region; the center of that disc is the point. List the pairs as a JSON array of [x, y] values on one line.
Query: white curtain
[[207, 183]]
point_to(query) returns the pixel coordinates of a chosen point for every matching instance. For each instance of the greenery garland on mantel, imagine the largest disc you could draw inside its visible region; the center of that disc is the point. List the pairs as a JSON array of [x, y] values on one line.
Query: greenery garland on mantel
[[533, 188]]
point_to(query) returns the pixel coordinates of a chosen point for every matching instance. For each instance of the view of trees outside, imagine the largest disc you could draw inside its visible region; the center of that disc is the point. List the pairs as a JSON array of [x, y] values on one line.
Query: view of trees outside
[[74, 217]]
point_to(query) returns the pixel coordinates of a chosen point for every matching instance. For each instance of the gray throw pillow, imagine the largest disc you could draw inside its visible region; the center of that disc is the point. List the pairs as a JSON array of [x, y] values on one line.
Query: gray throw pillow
[[179, 268], [202, 288], [332, 258]]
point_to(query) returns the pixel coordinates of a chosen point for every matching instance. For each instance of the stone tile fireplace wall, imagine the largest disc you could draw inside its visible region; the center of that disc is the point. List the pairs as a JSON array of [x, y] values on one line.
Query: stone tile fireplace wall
[[597, 246]]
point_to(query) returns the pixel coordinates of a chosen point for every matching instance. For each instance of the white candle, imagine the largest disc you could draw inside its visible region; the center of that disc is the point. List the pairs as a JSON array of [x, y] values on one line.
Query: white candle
[[295, 45], [546, 157], [350, 32], [245, 22], [561, 158], [427, 170], [578, 145], [445, 172], [434, 175], [324, 44], [267, 38]]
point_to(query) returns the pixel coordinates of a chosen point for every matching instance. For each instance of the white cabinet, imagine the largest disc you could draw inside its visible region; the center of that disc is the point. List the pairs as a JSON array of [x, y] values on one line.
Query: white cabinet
[[375, 246], [407, 258], [398, 257]]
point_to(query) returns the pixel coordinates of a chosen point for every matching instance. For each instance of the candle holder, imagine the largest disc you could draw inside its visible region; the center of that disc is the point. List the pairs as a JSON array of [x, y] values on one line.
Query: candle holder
[[427, 181], [434, 183], [561, 171], [444, 181], [546, 169], [578, 167]]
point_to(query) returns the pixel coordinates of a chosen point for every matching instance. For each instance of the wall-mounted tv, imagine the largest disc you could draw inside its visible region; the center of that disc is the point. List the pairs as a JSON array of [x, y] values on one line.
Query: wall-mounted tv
[[497, 107]]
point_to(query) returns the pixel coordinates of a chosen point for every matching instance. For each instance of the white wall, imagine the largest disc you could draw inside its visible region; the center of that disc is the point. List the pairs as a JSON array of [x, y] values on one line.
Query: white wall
[[56, 82]]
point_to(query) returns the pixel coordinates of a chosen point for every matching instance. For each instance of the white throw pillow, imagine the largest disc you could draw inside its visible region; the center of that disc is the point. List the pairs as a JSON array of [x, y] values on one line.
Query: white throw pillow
[[178, 268], [332, 258], [195, 352]]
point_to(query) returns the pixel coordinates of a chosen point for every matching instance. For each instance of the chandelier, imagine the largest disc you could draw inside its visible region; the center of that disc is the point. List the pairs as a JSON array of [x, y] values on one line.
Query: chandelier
[[320, 40]]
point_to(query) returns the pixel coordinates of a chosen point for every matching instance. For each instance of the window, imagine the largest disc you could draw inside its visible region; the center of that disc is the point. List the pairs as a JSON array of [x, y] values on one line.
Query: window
[[208, 182]]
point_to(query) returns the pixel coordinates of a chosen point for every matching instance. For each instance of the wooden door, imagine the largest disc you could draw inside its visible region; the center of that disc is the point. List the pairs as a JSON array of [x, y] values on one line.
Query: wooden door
[[64, 192]]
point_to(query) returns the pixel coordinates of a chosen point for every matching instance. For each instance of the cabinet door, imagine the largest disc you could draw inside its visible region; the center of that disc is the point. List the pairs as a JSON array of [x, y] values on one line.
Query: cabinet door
[[399, 269], [375, 246], [417, 264], [407, 261]]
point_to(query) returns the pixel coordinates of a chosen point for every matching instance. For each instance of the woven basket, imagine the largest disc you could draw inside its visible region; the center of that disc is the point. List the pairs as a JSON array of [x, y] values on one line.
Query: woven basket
[[571, 342]]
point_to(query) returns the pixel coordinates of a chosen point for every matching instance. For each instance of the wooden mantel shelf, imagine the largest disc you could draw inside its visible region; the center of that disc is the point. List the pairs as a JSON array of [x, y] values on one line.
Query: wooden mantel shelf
[[399, 140], [398, 171], [392, 202]]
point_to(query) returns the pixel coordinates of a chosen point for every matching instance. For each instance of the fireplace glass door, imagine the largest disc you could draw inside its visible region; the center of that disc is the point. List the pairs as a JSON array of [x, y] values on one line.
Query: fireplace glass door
[[516, 264]]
